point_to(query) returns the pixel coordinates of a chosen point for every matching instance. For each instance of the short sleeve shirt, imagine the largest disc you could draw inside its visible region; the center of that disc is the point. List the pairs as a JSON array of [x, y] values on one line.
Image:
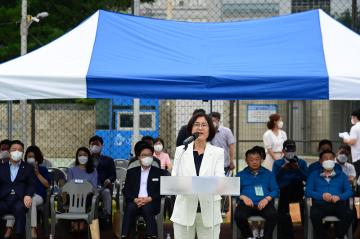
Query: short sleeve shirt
[[355, 148], [348, 169], [274, 142], [223, 139]]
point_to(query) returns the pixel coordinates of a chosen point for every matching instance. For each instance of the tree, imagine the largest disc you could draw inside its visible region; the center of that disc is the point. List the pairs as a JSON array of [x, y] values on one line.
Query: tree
[[346, 19], [63, 16]]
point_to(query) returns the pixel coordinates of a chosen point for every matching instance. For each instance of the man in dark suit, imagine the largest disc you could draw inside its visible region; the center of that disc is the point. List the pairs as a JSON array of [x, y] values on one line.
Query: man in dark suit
[[106, 170], [17, 187], [142, 193]]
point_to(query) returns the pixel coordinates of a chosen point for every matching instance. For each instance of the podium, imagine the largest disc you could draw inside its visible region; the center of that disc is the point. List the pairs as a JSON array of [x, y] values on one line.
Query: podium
[[196, 185]]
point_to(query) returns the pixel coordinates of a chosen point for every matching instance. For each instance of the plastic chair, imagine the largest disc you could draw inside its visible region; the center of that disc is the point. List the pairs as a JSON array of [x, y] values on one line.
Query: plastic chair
[[159, 217], [78, 190], [121, 163], [308, 224], [236, 231], [136, 163]]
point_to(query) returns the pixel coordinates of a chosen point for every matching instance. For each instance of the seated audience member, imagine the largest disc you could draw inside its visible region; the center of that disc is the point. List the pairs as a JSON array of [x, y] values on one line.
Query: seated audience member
[[137, 148], [258, 188], [142, 193], [34, 157], [106, 171], [17, 187], [324, 144], [84, 169], [290, 173], [4, 150], [161, 155], [342, 158], [329, 189]]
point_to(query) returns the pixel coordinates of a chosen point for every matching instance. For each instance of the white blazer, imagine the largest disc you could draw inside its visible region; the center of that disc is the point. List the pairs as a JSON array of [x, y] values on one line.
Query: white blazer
[[185, 207]]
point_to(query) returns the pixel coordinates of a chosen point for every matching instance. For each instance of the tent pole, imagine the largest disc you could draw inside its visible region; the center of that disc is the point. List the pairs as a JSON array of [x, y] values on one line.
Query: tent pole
[[23, 35]]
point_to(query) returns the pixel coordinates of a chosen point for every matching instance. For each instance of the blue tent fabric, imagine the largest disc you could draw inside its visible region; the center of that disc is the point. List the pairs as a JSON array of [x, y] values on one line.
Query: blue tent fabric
[[276, 58], [303, 56]]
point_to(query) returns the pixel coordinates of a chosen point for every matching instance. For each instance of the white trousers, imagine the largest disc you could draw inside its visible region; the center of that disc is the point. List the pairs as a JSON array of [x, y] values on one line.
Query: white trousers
[[36, 201], [202, 232]]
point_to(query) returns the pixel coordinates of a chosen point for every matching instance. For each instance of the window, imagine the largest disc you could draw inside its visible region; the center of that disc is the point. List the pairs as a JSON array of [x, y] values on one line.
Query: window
[[125, 121]]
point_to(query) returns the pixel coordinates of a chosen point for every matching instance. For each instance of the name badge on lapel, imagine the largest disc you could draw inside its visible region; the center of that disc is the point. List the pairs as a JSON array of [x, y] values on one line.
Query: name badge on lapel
[[155, 179], [259, 191]]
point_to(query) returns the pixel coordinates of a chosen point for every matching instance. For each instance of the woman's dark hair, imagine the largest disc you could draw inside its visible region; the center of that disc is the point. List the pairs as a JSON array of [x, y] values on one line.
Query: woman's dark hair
[[159, 140], [6, 142], [37, 152], [356, 113], [272, 119], [90, 163], [140, 145], [209, 122]]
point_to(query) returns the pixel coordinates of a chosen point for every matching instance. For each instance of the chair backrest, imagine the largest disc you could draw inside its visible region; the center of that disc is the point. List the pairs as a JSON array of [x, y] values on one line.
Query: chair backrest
[[136, 163], [65, 170], [57, 178], [121, 173], [121, 163], [78, 190]]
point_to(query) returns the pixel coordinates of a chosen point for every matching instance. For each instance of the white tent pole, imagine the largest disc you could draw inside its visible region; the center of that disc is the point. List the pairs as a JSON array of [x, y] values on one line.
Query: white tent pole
[[136, 101]]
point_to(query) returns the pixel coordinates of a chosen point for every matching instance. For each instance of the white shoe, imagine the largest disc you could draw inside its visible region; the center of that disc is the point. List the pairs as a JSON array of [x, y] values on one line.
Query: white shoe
[[255, 233]]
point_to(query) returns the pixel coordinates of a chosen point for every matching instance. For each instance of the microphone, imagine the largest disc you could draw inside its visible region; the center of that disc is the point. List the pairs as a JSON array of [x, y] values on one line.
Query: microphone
[[191, 138]]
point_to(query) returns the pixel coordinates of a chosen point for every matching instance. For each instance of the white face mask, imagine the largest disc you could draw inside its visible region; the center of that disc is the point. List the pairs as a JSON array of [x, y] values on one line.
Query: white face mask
[[342, 158], [158, 147], [328, 164], [290, 155], [83, 159], [31, 160], [147, 161], [4, 154], [16, 155], [280, 124], [94, 149]]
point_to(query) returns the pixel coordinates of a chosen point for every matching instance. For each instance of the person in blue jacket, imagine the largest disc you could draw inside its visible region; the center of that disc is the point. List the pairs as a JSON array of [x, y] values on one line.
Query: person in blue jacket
[[329, 189], [258, 188], [290, 173], [324, 144]]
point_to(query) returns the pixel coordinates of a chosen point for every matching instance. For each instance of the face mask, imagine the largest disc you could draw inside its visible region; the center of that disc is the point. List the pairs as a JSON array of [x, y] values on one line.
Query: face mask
[[16, 155], [158, 147], [280, 124], [328, 164], [216, 125], [4, 154], [94, 149], [31, 161], [147, 161], [342, 158], [290, 155], [83, 159]]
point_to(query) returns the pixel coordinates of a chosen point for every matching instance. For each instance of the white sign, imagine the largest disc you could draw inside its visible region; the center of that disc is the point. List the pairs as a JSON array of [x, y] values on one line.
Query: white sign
[[257, 113]]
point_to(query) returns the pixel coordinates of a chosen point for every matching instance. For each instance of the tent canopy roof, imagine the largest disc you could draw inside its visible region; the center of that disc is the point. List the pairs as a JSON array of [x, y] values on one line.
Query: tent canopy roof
[[301, 56]]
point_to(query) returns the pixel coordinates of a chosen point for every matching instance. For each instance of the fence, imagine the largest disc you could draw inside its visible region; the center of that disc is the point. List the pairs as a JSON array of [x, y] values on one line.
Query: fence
[[59, 127]]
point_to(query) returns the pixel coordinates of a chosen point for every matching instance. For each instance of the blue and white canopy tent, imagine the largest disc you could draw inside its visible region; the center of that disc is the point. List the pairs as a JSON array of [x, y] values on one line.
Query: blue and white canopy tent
[[301, 56]]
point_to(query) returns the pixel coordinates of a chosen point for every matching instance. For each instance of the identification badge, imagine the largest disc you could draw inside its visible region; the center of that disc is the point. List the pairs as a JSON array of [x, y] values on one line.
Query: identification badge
[[259, 191], [155, 180]]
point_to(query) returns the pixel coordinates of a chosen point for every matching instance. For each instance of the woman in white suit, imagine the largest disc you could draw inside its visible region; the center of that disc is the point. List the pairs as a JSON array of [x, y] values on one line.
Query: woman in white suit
[[192, 213]]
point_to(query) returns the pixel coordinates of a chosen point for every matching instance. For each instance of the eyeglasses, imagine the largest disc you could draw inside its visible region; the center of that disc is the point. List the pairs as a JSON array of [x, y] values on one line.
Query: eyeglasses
[[202, 125]]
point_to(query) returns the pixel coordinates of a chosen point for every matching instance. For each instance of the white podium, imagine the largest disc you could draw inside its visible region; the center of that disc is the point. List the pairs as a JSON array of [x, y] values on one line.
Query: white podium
[[196, 185]]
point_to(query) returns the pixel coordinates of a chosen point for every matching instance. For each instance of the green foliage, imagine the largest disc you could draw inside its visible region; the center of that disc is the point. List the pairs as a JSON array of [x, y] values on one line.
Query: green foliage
[[63, 16]]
